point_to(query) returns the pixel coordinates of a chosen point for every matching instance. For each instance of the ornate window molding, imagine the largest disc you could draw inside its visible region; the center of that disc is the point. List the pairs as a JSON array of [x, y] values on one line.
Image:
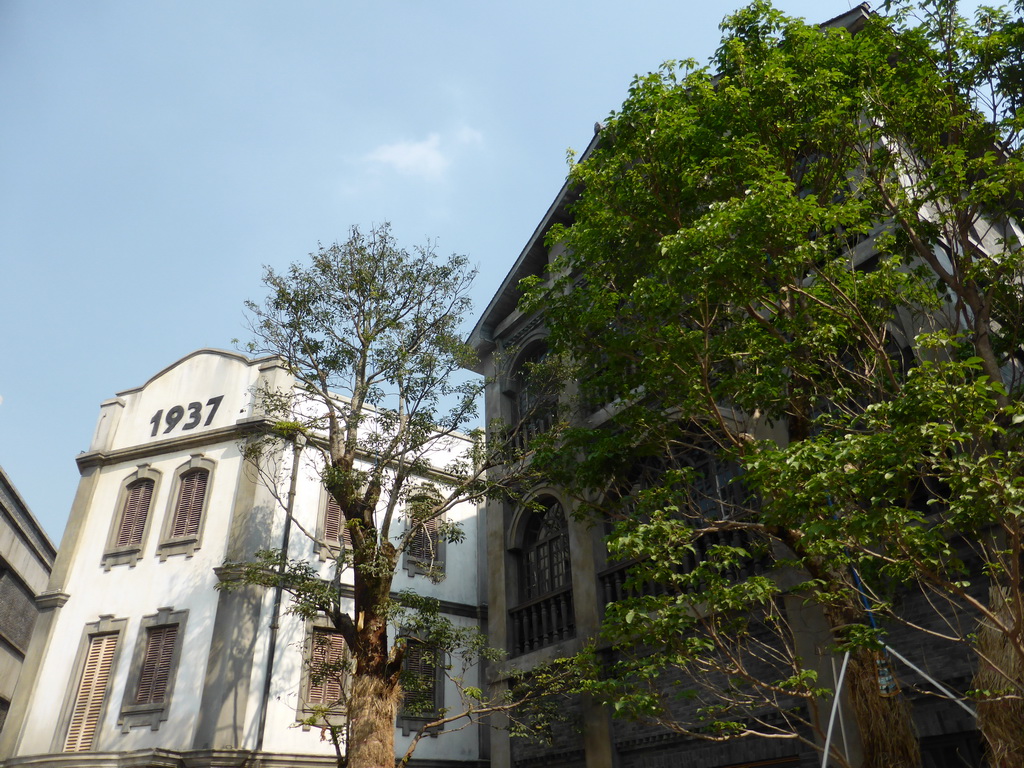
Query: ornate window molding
[[89, 686], [186, 513], [543, 612], [426, 551], [423, 686], [131, 521], [147, 695]]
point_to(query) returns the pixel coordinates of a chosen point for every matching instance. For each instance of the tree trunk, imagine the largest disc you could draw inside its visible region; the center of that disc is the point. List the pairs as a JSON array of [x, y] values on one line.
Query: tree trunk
[[373, 705], [373, 700], [884, 721], [1000, 718], [886, 728]]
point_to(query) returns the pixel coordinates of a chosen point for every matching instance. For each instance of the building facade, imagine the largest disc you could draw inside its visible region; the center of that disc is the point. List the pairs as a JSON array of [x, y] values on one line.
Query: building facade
[[550, 579], [26, 559], [138, 655], [550, 576]]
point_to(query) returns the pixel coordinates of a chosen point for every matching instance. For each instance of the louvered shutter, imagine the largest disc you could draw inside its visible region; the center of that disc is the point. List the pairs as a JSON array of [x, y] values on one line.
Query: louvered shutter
[[421, 680], [423, 546], [325, 670], [134, 513], [85, 714], [189, 509], [156, 665], [334, 524]]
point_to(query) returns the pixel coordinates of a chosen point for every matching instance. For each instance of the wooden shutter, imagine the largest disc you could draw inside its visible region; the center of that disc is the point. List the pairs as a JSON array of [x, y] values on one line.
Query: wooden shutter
[[423, 546], [88, 706], [156, 665], [325, 667], [134, 513], [420, 667], [335, 530], [189, 510]]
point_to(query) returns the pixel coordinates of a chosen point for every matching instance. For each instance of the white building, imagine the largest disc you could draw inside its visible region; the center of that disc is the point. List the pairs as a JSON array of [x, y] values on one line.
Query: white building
[[137, 658]]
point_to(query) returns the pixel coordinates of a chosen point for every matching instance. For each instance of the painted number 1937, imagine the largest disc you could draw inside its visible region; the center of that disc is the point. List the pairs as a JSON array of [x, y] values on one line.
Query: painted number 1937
[[177, 413]]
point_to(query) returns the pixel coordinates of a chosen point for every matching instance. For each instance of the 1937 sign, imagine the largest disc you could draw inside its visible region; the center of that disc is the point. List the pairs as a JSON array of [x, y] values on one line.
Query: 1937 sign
[[176, 413]]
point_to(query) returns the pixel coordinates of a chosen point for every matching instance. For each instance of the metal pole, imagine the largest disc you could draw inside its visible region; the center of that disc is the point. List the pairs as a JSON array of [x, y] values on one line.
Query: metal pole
[[297, 445]]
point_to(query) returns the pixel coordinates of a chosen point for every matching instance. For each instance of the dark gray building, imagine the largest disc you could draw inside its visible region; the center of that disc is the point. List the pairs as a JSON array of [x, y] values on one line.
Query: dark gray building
[[26, 559]]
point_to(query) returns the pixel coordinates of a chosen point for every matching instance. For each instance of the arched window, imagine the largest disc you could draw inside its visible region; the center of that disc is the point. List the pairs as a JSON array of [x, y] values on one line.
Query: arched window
[[533, 402], [545, 613], [545, 554]]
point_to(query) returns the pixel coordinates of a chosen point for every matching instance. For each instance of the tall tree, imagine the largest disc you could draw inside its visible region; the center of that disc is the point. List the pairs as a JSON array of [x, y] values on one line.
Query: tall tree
[[761, 253], [370, 331]]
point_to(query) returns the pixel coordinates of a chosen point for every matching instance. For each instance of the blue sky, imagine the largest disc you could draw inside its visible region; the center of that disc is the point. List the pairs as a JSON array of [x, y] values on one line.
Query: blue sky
[[154, 155]]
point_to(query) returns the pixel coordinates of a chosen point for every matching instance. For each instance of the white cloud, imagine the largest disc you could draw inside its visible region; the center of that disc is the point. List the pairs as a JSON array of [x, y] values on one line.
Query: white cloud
[[429, 158], [413, 158]]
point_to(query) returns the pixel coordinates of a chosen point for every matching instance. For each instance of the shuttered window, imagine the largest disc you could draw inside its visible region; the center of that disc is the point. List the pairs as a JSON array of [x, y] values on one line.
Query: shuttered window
[[88, 706], [423, 545], [326, 668], [419, 698], [150, 686], [134, 513], [335, 531], [188, 511], [156, 664]]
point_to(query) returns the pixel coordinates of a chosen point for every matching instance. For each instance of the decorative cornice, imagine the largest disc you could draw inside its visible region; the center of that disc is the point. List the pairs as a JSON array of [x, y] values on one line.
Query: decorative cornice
[[525, 330], [239, 429], [233, 570], [48, 600]]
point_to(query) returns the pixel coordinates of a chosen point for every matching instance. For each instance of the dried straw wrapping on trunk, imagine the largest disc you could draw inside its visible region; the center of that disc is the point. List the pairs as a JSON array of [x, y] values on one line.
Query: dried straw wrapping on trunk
[[1001, 717], [886, 728]]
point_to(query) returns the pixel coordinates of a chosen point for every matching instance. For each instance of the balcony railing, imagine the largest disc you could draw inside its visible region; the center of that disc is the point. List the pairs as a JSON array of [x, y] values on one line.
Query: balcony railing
[[537, 424], [542, 621], [612, 580]]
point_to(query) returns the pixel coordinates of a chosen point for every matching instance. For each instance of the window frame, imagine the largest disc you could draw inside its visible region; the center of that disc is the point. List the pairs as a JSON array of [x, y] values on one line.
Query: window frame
[[306, 707], [120, 554], [134, 715], [414, 563], [529, 546], [188, 544], [106, 626], [344, 540], [410, 723], [151, 713], [531, 411], [524, 598]]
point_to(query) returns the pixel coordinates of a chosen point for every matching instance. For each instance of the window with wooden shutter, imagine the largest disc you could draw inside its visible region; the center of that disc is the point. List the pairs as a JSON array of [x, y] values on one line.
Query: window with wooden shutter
[[419, 680], [423, 545], [150, 685], [335, 531], [328, 666], [134, 513], [425, 549], [186, 514], [130, 522], [91, 693], [156, 665], [188, 511], [421, 686]]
